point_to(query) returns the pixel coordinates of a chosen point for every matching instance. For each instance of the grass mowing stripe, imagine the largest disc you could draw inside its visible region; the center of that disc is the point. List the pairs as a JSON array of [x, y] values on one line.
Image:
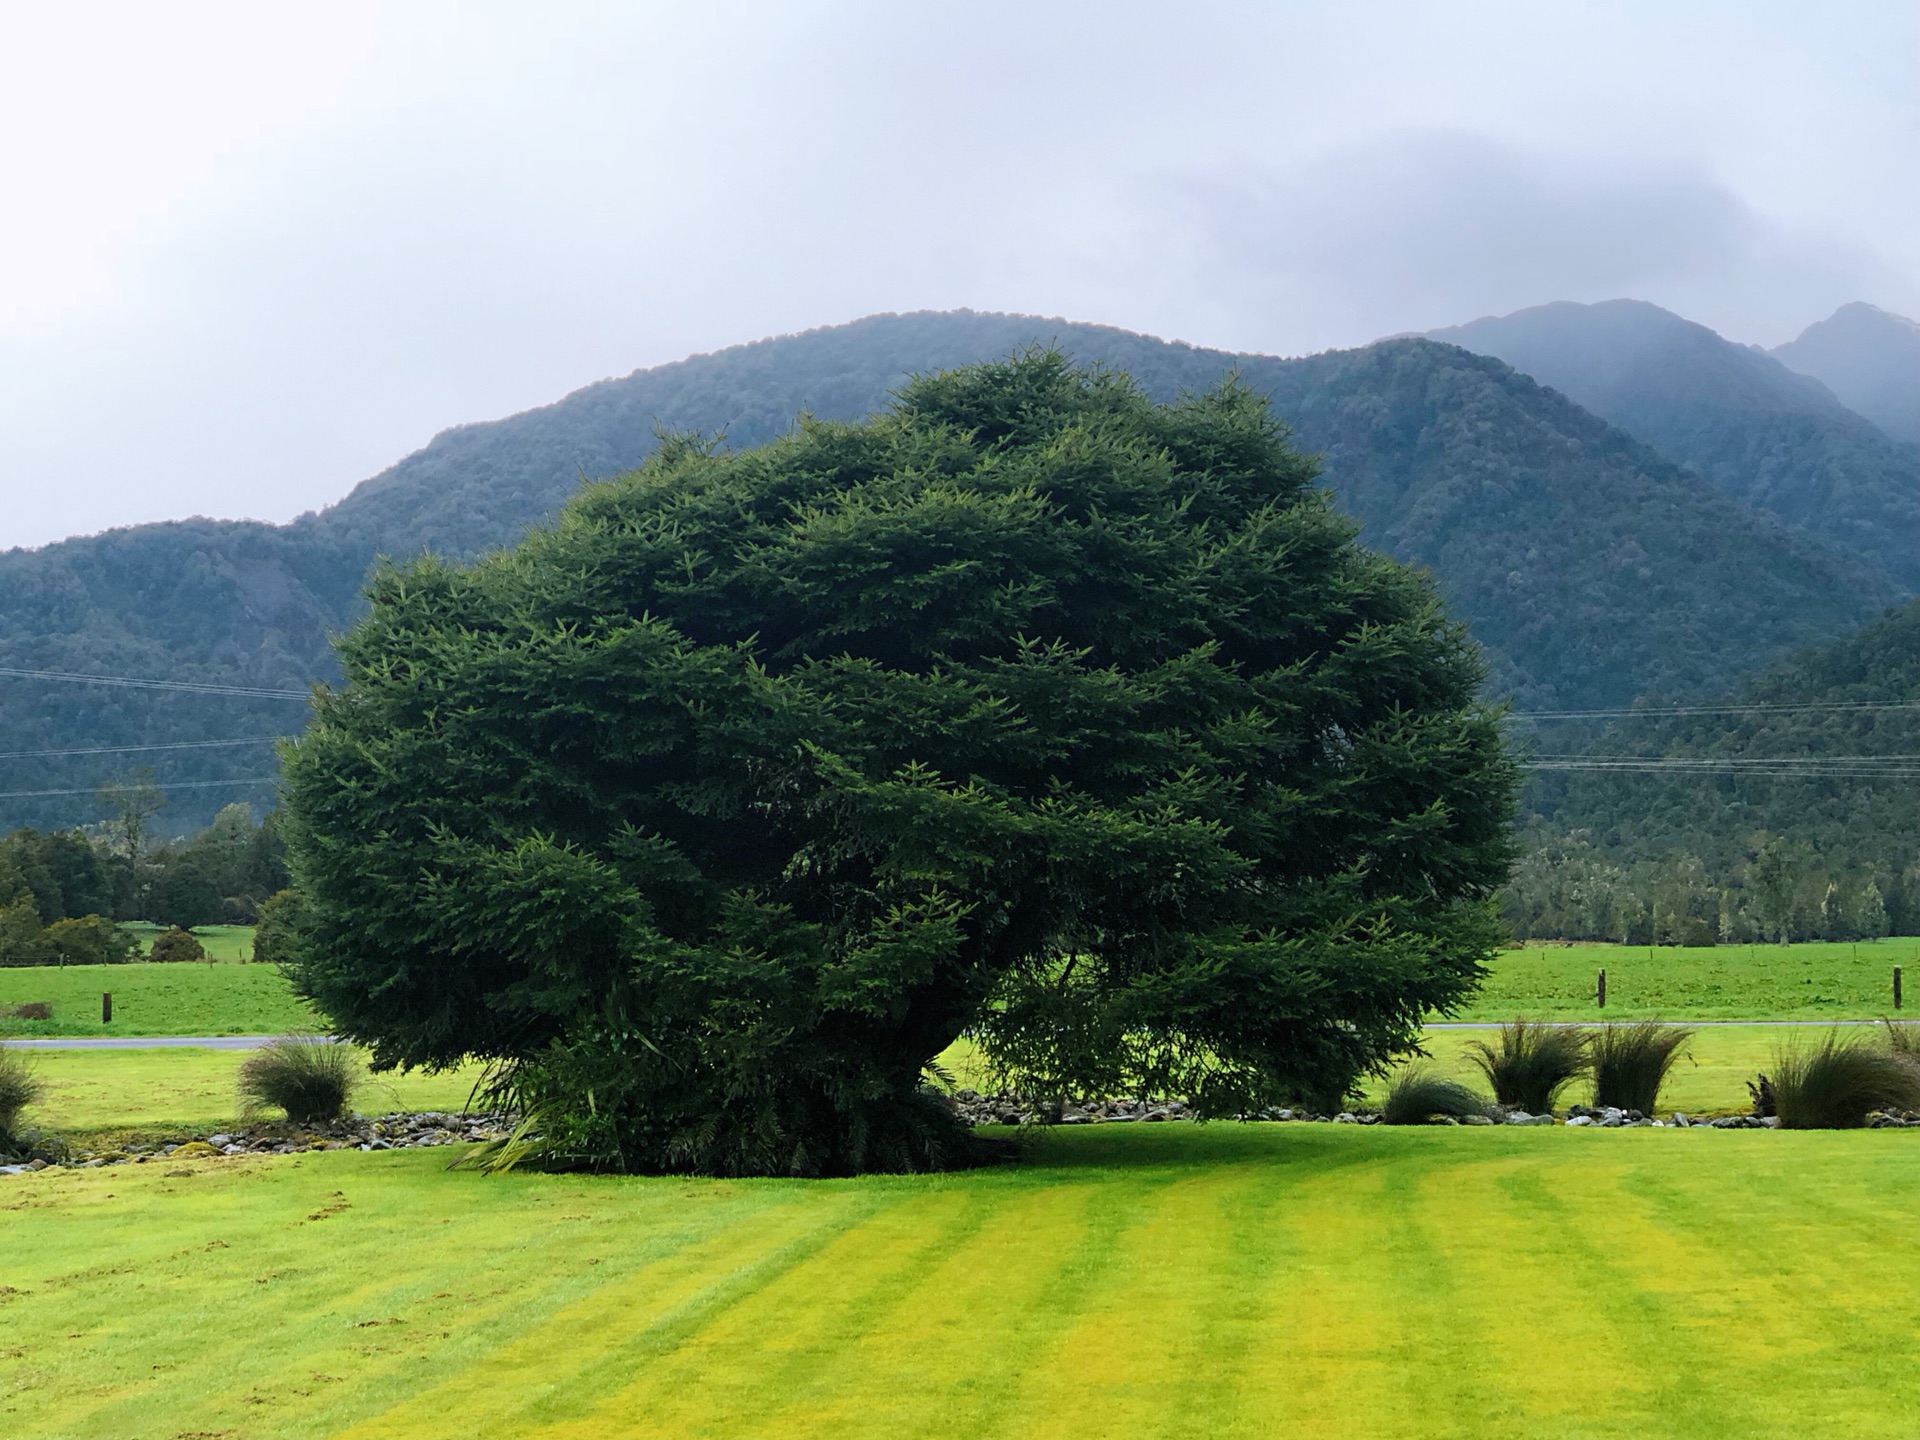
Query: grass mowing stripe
[[558, 1368]]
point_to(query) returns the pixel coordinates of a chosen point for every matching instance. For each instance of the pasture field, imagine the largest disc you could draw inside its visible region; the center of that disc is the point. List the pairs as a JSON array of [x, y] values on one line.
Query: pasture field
[[226, 943], [150, 999], [1761, 982], [192, 1090], [1145, 1281], [1721, 982]]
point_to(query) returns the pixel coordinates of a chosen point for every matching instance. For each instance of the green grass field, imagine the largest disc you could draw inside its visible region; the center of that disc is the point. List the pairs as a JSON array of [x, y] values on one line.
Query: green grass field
[[149, 999], [1726, 982], [192, 1090], [1223, 1282], [228, 943]]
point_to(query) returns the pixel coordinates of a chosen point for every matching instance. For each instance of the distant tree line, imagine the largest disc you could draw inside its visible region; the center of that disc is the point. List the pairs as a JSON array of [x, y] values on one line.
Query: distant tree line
[[63, 892], [1780, 890]]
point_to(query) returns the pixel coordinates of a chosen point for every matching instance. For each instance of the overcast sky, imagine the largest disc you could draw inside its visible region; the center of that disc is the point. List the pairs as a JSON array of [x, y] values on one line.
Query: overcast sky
[[252, 254]]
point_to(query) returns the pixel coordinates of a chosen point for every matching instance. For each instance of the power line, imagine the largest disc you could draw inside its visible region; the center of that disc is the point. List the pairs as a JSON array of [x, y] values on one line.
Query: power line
[[171, 785], [191, 687], [134, 749], [1672, 711]]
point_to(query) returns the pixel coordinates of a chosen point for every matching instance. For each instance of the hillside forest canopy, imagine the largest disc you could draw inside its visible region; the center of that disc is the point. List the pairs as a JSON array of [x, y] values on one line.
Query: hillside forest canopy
[[1030, 709]]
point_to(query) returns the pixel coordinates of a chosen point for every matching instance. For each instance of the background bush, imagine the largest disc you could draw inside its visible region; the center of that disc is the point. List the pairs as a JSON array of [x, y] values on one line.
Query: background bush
[[176, 945], [309, 1078]]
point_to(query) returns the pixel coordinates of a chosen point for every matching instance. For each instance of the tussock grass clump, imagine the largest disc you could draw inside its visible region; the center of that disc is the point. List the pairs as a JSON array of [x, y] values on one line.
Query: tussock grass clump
[[309, 1078], [1532, 1063], [1836, 1084], [1903, 1037], [19, 1088], [1419, 1095], [1630, 1062]]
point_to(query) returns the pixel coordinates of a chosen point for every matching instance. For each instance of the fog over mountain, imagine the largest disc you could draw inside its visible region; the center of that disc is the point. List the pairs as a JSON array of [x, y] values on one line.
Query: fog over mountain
[[1870, 359]]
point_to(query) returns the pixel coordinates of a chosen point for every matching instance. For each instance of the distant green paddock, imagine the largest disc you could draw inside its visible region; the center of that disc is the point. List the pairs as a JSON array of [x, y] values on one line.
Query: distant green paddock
[[1225, 1283], [150, 999], [221, 942], [1723, 982]]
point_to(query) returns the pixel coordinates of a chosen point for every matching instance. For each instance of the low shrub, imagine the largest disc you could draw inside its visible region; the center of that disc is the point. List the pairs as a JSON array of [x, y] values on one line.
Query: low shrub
[[1630, 1062], [32, 1010], [19, 1088], [176, 944], [1836, 1084], [1419, 1095], [91, 940], [311, 1079], [1532, 1063]]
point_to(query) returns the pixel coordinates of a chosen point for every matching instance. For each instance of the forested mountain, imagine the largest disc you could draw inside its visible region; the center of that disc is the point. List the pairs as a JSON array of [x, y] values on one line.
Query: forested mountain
[[1761, 432], [1593, 569], [1814, 765], [1870, 359]]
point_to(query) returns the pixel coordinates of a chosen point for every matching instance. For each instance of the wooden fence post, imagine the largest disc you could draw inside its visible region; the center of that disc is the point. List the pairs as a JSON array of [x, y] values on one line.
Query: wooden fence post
[[1600, 990], [106, 1007], [1896, 987]]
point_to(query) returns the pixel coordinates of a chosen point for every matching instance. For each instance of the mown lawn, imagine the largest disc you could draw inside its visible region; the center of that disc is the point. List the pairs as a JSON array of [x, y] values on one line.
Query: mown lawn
[[150, 999], [192, 1090], [1725, 982], [1124, 1281]]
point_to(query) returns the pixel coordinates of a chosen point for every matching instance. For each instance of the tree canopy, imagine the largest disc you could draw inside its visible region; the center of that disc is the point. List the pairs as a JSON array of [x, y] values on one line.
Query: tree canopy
[[1028, 709]]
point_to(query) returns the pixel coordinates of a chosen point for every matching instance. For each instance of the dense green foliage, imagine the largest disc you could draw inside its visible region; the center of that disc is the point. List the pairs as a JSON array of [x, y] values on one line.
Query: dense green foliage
[[1590, 568], [1760, 432], [1030, 707], [1630, 1062], [1741, 854], [1419, 1095]]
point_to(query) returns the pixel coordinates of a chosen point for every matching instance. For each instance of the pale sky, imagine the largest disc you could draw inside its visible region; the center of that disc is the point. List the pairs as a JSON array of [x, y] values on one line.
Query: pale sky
[[251, 255]]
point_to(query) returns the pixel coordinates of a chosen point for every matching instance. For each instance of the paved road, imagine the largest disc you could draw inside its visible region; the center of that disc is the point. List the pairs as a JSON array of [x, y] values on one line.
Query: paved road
[[143, 1042], [251, 1042]]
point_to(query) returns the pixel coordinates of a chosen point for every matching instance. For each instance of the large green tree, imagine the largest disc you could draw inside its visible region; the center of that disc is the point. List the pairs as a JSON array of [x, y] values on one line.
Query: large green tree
[[1030, 709]]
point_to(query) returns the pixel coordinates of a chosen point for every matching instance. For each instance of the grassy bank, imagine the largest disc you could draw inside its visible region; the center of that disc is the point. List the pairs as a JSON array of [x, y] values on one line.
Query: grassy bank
[[149, 999], [1138, 1281]]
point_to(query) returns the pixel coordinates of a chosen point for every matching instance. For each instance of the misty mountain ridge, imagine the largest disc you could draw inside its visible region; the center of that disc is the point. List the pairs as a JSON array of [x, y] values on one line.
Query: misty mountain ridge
[[1592, 568], [1762, 433], [1870, 359]]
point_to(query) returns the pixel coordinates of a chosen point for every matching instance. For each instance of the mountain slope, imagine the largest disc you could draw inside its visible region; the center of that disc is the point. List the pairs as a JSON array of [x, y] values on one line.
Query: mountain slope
[[1592, 569], [1866, 690], [1759, 431], [1869, 358]]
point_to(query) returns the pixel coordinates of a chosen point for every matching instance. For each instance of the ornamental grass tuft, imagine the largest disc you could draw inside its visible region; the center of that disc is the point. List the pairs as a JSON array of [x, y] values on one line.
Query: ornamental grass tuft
[[1631, 1062], [312, 1079], [1419, 1095], [19, 1088], [1836, 1084], [1532, 1064]]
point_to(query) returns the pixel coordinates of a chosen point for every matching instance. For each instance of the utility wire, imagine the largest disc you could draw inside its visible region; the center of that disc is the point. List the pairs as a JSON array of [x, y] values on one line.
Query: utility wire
[[173, 785], [191, 687], [133, 749], [1672, 711]]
